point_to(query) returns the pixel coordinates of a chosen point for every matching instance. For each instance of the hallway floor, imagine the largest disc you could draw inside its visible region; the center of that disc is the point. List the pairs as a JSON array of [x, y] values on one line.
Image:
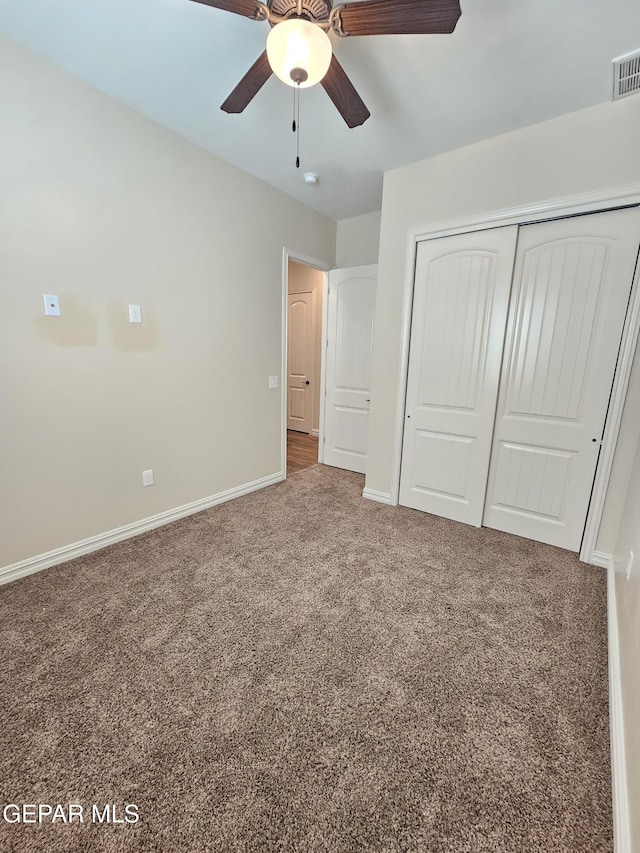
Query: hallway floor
[[302, 451]]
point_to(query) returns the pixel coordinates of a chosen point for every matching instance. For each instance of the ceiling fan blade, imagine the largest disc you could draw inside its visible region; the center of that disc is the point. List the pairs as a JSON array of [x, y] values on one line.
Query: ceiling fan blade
[[241, 7], [400, 17], [249, 86], [343, 94]]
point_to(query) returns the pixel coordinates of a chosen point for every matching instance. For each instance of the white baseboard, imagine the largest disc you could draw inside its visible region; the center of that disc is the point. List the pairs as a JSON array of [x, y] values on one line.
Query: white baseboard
[[373, 495], [102, 540], [599, 558], [621, 823]]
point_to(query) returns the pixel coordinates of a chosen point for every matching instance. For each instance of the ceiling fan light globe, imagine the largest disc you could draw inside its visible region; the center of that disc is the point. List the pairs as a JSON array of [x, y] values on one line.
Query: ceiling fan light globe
[[297, 45]]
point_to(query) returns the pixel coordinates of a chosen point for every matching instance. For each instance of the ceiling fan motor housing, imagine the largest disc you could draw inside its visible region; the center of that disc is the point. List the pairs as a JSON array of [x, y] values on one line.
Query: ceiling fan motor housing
[[314, 10]]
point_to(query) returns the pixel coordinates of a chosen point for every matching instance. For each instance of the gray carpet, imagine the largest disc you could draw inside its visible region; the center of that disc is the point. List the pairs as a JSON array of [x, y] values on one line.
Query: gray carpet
[[304, 670]]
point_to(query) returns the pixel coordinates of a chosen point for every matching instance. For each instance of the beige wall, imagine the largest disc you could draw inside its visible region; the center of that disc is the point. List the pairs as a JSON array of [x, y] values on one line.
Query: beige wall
[[357, 240], [303, 278], [589, 150], [105, 208], [628, 612]]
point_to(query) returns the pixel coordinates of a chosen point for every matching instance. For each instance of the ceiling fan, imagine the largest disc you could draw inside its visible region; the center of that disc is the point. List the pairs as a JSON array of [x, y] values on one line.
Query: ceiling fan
[[299, 51]]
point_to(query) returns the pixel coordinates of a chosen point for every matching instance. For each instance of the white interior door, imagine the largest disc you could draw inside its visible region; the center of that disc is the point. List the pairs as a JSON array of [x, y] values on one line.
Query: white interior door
[[571, 287], [461, 299], [300, 362], [352, 294]]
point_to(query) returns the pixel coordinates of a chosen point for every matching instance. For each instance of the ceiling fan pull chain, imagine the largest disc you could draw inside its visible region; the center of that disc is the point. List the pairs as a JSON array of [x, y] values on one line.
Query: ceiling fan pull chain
[[293, 124], [297, 124]]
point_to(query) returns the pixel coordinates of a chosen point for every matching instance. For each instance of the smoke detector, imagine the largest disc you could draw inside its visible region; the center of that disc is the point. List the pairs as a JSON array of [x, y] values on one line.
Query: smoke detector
[[626, 75], [311, 178]]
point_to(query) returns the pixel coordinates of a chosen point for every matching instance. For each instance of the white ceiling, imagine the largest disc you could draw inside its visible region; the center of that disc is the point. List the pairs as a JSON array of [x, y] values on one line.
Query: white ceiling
[[509, 63]]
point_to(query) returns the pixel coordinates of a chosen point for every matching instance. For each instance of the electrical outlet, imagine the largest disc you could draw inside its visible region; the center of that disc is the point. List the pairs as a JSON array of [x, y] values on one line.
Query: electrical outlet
[[51, 305], [147, 477], [629, 564]]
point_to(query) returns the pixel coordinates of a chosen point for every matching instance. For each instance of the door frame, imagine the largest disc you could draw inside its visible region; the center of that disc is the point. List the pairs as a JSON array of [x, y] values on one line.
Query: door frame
[[323, 266], [592, 202]]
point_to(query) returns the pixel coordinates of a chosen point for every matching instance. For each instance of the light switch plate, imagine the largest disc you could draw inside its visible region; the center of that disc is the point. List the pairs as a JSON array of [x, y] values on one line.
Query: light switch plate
[[135, 314], [51, 305], [273, 382]]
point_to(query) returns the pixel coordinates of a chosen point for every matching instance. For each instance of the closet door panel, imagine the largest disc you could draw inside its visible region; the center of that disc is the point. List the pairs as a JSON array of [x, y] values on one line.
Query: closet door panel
[[461, 296], [571, 287]]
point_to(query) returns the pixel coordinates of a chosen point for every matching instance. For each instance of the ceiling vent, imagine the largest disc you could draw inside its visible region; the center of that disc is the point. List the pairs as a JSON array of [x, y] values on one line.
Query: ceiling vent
[[626, 75]]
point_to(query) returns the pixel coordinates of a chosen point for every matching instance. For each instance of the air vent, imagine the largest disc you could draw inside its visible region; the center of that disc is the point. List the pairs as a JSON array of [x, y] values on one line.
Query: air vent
[[626, 75]]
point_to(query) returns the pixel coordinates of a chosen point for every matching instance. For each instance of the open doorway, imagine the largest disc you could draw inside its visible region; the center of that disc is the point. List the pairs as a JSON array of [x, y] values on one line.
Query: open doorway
[[303, 375]]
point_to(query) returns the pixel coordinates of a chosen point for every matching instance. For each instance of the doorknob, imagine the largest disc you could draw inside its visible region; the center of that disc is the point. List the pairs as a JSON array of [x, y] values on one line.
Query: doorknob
[[306, 382]]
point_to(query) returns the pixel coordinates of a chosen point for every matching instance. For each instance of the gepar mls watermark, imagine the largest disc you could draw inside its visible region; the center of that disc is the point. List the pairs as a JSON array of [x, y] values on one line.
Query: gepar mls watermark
[[66, 813]]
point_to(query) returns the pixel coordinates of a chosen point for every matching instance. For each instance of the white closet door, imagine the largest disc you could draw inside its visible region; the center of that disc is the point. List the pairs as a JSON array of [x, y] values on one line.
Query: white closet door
[[352, 299], [461, 297], [571, 287]]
